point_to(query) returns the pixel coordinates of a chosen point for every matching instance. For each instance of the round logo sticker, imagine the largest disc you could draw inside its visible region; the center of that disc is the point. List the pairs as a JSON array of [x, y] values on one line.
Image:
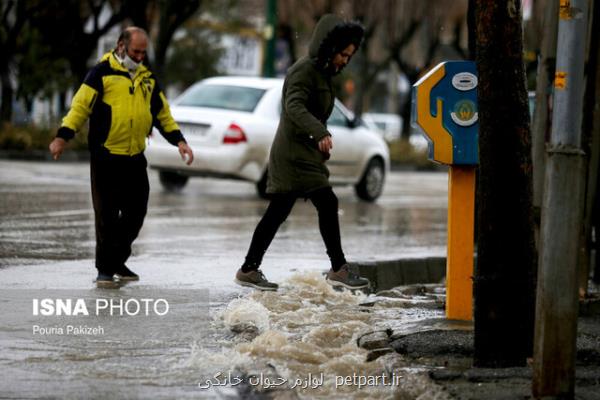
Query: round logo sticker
[[465, 113], [464, 81]]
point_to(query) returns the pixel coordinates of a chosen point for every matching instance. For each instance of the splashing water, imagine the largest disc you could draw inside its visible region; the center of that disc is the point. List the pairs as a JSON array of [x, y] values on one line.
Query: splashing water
[[312, 333], [243, 314], [305, 338]]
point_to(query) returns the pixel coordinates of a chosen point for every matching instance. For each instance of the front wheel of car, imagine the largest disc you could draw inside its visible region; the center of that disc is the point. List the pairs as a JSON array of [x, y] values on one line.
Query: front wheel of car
[[371, 185], [172, 181]]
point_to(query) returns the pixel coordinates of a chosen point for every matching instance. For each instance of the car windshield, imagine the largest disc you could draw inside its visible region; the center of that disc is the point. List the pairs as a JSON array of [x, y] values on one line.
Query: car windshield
[[238, 98]]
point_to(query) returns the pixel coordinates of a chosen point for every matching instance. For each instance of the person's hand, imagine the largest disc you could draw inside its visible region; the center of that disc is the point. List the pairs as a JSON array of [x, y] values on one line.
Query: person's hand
[[326, 144], [57, 146], [186, 152]]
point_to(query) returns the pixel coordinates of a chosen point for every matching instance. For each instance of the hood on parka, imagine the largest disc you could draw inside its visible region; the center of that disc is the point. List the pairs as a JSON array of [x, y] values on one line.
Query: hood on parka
[[332, 35]]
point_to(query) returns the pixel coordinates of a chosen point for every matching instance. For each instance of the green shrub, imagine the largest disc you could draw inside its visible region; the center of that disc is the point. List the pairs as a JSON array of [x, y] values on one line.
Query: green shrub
[[31, 137]]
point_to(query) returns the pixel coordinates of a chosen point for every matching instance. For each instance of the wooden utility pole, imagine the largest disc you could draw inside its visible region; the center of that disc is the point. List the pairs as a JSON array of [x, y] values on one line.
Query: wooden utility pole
[[505, 273], [591, 145], [562, 214], [543, 89]]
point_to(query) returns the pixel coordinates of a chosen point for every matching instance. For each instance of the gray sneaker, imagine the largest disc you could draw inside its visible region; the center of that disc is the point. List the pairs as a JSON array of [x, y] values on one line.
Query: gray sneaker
[[347, 278], [255, 279]]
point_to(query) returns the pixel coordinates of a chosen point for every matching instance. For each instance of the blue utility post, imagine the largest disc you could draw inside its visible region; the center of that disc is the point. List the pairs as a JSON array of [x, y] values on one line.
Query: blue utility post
[[445, 110]]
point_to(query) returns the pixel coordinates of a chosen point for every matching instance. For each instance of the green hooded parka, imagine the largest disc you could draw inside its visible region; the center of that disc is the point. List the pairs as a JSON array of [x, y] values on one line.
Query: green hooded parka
[[296, 165]]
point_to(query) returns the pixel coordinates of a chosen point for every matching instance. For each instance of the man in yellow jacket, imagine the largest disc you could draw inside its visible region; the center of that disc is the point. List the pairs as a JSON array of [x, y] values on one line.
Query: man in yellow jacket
[[123, 101]]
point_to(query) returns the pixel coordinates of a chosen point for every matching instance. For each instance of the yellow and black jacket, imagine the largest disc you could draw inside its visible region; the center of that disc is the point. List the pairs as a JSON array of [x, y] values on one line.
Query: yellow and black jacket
[[121, 109]]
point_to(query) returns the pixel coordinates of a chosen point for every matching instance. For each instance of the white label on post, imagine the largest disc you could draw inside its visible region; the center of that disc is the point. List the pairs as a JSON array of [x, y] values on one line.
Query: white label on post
[[464, 81]]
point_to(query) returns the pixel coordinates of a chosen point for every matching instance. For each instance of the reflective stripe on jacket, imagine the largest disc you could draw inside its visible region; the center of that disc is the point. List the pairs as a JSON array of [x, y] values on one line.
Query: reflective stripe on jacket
[[121, 109]]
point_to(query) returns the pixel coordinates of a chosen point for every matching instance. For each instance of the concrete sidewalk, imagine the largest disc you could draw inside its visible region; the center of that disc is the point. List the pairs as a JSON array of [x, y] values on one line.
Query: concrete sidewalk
[[444, 348]]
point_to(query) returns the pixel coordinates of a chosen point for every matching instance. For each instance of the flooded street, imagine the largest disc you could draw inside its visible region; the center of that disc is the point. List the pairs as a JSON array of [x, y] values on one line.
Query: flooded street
[[299, 341]]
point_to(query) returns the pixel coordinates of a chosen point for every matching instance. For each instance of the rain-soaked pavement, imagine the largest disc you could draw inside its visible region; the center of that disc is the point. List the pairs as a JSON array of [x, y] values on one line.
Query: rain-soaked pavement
[[302, 337]]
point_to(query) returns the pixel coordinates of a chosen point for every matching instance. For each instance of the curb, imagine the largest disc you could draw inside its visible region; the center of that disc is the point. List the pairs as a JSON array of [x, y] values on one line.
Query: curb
[[385, 275]]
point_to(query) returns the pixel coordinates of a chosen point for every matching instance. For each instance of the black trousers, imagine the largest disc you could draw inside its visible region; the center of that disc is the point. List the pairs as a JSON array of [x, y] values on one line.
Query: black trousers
[[278, 210], [120, 195]]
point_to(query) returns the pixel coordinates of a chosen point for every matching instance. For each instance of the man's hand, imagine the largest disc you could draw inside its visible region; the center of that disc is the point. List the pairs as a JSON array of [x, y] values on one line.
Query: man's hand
[[326, 144], [57, 146], [186, 152]]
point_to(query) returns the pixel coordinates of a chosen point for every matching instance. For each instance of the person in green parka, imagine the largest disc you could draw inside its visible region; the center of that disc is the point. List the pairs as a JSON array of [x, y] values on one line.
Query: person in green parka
[[300, 149]]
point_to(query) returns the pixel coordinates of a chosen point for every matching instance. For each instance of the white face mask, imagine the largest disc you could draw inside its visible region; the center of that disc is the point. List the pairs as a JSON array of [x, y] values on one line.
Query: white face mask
[[130, 64]]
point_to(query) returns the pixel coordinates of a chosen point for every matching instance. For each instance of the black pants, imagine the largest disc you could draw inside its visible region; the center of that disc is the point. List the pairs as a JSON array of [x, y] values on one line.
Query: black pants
[[279, 208], [120, 195]]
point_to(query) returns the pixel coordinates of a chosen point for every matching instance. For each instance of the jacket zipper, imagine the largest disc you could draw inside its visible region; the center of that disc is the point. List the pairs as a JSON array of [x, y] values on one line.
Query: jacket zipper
[[132, 91]]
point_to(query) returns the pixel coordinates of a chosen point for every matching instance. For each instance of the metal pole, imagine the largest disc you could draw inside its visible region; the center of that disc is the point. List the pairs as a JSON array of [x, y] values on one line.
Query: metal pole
[[562, 214]]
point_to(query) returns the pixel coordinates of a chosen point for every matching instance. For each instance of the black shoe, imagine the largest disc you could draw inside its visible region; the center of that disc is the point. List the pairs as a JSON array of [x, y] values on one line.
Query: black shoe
[[105, 281], [125, 274]]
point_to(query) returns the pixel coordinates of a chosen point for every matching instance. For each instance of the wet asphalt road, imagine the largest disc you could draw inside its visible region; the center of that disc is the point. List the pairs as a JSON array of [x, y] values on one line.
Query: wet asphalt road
[[195, 240], [46, 222]]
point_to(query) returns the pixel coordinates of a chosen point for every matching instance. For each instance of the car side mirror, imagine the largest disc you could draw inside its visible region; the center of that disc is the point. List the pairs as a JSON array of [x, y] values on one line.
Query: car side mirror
[[354, 122]]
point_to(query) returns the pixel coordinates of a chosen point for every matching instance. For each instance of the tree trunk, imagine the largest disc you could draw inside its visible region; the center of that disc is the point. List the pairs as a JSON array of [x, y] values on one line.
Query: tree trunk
[[596, 223], [596, 140], [363, 71], [406, 108], [504, 283], [172, 15], [7, 97], [405, 112]]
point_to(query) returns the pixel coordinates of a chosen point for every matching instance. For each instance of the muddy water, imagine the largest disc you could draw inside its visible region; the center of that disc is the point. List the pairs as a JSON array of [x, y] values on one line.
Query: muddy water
[[303, 339]]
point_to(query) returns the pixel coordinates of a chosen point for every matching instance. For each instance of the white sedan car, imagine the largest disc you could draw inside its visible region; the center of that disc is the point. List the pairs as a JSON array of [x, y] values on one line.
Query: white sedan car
[[230, 123]]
